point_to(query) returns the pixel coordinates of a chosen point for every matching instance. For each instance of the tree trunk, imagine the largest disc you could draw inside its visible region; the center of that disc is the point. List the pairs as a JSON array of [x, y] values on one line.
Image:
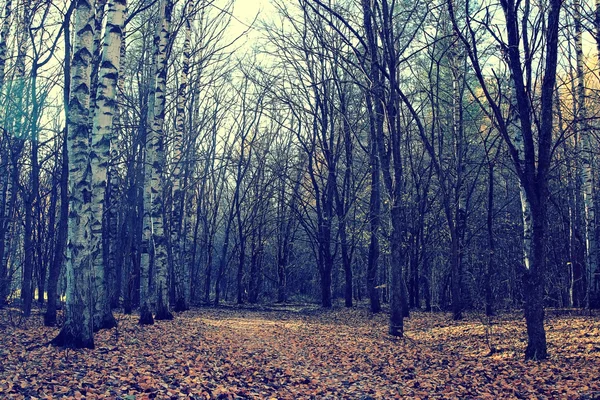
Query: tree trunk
[[533, 289], [179, 195], [489, 295], [97, 54], [78, 328], [28, 243], [241, 262], [223, 256], [374, 215], [256, 262], [587, 171], [158, 147], [398, 287], [4, 40], [4, 179], [59, 249], [155, 160], [102, 130], [116, 250]]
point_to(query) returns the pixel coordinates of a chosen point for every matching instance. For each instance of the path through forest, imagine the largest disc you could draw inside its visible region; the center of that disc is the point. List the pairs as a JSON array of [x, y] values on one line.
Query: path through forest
[[302, 353]]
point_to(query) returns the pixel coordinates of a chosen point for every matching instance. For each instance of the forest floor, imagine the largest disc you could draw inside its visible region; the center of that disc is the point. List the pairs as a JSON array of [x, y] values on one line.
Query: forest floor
[[303, 353]]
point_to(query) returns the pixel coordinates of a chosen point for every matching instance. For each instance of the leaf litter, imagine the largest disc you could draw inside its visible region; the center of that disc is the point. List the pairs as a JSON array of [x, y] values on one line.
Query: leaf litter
[[232, 353]]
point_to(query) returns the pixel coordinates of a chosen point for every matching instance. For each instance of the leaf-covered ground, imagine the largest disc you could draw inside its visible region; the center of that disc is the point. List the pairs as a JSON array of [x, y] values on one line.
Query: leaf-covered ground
[[302, 353]]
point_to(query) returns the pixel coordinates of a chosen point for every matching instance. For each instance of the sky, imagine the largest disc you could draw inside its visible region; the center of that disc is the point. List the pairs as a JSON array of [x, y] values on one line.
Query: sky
[[245, 11]]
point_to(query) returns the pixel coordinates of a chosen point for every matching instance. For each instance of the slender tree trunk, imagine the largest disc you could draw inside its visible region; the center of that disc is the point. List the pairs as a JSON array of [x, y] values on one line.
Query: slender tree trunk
[[489, 295], [285, 243], [324, 241], [587, 171], [116, 249], [458, 223], [256, 260], [223, 256], [241, 237], [179, 195], [32, 204], [28, 243], [398, 287], [208, 270], [374, 212], [59, 250], [155, 160], [158, 148], [253, 284], [4, 179], [241, 262], [4, 40], [10, 195]]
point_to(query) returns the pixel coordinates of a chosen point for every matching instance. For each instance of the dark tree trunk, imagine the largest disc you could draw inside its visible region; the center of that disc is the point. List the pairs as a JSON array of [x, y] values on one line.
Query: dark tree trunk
[[223, 260], [256, 265], [4, 228], [414, 274], [374, 217], [489, 295], [208, 272], [59, 250], [398, 287], [242, 255], [325, 273], [455, 278], [30, 245], [27, 284]]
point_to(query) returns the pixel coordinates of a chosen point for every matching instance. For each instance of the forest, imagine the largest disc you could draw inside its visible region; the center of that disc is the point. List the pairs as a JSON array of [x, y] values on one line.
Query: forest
[[421, 173]]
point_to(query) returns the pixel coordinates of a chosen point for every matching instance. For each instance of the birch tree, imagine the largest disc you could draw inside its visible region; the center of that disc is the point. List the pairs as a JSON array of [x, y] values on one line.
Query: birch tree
[[154, 233], [77, 330], [102, 127], [582, 127], [179, 265]]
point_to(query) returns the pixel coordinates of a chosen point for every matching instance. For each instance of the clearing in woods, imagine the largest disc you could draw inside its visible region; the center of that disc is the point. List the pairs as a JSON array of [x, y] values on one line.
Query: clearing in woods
[[302, 353]]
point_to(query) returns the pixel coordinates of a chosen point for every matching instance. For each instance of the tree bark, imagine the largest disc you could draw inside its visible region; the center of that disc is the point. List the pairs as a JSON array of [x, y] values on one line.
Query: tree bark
[[587, 171], [102, 130], [78, 328]]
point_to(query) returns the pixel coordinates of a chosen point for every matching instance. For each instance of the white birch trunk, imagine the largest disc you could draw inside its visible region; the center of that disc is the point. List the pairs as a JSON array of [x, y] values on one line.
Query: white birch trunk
[[156, 184], [182, 267], [155, 160], [4, 40], [517, 139], [145, 299], [113, 178], [78, 328], [587, 175], [100, 154], [4, 179]]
